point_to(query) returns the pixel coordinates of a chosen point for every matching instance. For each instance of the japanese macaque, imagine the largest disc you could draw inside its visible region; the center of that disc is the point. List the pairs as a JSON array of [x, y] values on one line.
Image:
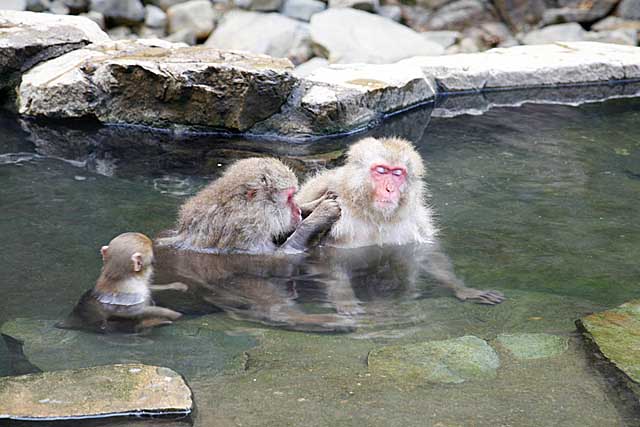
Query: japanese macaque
[[121, 299], [382, 194], [249, 209]]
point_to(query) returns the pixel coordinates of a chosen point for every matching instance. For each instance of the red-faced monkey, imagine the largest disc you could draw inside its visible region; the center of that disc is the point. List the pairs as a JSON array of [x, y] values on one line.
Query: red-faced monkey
[[121, 298], [249, 209], [381, 193]]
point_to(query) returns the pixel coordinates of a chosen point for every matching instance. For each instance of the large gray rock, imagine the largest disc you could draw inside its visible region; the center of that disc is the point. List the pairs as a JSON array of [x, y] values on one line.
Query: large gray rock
[[521, 15], [196, 15], [27, 38], [302, 9], [346, 97], [449, 361], [570, 32], [123, 12], [579, 11], [97, 392], [351, 36], [154, 17], [266, 33], [158, 84], [460, 15], [531, 66], [629, 9]]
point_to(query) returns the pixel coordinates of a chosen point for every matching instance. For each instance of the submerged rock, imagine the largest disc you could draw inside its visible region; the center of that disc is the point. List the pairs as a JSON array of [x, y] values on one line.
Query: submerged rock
[[27, 38], [533, 346], [345, 35], [450, 361], [157, 83], [191, 347], [616, 335], [97, 392]]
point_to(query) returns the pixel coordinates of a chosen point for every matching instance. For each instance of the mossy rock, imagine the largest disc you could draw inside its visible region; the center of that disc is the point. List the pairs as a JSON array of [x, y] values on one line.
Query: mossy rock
[[96, 392], [533, 346], [450, 361]]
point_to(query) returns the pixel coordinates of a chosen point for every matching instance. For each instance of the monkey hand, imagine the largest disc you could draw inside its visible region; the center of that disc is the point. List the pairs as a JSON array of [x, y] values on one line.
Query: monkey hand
[[329, 209], [479, 296]]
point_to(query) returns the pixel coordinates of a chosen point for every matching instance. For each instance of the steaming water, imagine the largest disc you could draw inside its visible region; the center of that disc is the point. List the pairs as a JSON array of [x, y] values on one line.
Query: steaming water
[[540, 202]]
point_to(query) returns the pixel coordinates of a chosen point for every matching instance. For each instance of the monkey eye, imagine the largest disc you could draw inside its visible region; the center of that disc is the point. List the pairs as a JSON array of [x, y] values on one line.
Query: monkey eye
[[381, 169], [398, 172]]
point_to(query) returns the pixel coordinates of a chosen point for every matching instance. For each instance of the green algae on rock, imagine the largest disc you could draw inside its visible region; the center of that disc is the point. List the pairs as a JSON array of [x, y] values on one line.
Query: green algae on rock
[[449, 361], [112, 390], [533, 346], [616, 333]]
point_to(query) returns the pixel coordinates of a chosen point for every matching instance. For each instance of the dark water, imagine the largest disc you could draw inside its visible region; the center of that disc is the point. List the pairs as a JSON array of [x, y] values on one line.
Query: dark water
[[540, 202]]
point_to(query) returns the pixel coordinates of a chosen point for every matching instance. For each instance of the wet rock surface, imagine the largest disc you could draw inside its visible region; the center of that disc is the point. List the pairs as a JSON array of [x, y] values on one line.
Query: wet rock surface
[[616, 335], [533, 346], [450, 361], [111, 390], [158, 83]]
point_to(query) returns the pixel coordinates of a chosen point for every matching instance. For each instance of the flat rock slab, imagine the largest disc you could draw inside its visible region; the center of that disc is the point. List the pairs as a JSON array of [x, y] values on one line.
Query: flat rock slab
[[112, 390], [450, 361], [158, 83], [191, 347], [27, 38], [533, 346], [616, 333]]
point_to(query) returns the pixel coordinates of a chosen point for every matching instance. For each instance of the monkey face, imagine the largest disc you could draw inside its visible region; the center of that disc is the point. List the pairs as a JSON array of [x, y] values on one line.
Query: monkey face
[[389, 182]]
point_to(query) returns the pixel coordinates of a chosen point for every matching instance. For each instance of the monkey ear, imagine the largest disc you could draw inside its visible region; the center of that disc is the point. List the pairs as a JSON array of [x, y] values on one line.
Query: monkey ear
[[137, 261], [103, 252], [251, 193]]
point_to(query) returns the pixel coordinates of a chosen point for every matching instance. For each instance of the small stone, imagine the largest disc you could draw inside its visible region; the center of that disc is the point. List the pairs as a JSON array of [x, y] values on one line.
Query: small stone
[[556, 33], [521, 15], [151, 33], [367, 5], [96, 17], [627, 36], [37, 5], [443, 38], [121, 33], [123, 12], [460, 15], [94, 393], [390, 11], [80, 178], [196, 15], [13, 5], [450, 361], [264, 5], [154, 17], [186, 36], [58, 7], [615, 23], [302, 9], [533, 346]]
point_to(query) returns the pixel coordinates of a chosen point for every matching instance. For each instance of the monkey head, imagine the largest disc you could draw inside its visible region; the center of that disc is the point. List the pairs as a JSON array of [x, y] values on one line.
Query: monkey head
[[127, 254], [388, 167]]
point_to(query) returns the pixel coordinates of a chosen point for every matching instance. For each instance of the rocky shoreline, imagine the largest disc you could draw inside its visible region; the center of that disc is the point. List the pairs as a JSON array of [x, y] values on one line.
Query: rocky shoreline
[[67, 67]]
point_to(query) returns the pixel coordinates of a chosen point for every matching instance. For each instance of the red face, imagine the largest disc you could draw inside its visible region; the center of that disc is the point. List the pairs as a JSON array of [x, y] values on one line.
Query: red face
[[388, 183], [296, 213]]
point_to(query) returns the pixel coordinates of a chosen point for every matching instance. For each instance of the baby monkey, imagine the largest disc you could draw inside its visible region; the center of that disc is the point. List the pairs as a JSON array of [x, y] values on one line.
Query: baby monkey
[[121, 299]]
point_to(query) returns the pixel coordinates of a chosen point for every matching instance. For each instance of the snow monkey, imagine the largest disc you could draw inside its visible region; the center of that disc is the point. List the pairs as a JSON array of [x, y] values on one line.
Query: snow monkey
[[121, 299], [381, 193], [249, 209]]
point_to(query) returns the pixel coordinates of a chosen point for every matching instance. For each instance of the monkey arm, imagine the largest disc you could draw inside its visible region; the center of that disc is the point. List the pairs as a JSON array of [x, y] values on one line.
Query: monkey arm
[[438, 265], [308, 208], [174, 286], [319, 221]]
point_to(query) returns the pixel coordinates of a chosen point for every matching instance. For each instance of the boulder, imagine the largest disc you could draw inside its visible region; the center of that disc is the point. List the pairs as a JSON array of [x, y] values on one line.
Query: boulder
[[615, 335], [154, 17], [450, 361], [97, 392], [196, 15], [351, 36], [123, 12], [266, 33], [460, 15], [531, 66], [579, 11], [533, 346], [156, 83], [629, 9], [626, 36], [302, 9], [27, 38], [521, 15], [366, 5], [570, 32]]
